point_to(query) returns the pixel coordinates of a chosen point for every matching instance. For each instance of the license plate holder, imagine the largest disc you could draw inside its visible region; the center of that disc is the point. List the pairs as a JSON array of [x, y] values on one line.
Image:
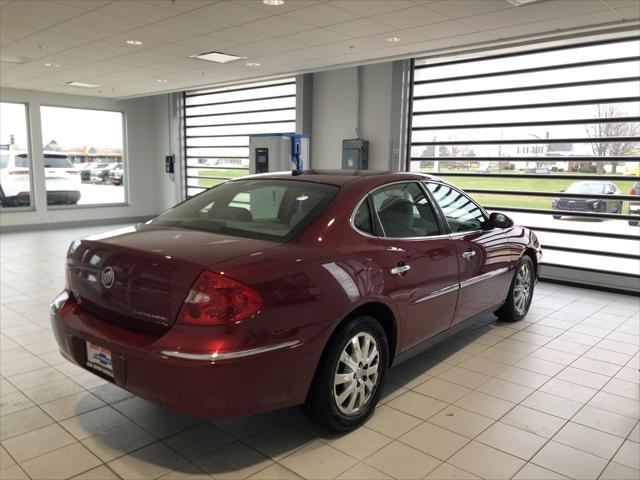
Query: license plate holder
[[99, 359]]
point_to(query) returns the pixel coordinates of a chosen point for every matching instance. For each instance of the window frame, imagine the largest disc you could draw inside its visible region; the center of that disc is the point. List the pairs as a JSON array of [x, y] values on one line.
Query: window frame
[[32, 193], [125, 159]]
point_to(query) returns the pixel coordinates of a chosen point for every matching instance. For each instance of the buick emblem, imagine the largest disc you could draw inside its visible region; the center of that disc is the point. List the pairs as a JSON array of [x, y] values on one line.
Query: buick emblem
[[108, 277]]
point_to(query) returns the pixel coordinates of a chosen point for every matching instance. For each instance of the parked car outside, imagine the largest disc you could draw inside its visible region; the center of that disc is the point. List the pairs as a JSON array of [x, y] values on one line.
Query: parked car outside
[[541, 171], [62, 179], [634, 205], [101, 173], [483, 170], [589, 187], [293, 288], [85, 173], [115, 175]]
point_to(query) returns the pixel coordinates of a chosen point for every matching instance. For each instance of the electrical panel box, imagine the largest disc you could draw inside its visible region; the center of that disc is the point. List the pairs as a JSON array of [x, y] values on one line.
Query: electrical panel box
[[277, 152], [355, 154]]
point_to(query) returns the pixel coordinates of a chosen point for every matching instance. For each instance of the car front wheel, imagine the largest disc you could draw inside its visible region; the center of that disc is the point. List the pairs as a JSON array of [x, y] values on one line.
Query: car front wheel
[[520, 294], [350, 377]]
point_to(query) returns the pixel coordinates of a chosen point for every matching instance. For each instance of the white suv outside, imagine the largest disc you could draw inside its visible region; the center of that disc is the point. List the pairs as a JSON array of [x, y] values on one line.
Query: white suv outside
[[62, 179]]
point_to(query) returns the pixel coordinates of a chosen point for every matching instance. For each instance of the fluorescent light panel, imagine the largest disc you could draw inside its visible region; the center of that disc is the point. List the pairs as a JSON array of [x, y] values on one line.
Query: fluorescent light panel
[[217, 57], [81, 85]]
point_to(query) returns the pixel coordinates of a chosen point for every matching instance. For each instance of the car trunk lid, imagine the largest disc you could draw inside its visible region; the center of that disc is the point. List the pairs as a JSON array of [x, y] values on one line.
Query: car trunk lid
[[138, 278]]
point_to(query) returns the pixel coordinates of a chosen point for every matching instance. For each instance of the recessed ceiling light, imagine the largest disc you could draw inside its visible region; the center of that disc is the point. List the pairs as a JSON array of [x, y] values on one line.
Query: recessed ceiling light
[[217, 57], [162, 80], [252, 64], [81, 85], [394, 39], [52, 65], [273, 3], [134, 42]]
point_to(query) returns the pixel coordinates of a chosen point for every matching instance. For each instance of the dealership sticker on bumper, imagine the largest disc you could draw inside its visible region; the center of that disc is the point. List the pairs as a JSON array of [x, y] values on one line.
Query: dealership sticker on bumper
[[99, 358]]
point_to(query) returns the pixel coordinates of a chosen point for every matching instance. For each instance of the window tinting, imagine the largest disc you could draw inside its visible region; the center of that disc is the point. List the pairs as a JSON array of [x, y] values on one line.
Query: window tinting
[[263, 209], [404, 211], [461, 213]]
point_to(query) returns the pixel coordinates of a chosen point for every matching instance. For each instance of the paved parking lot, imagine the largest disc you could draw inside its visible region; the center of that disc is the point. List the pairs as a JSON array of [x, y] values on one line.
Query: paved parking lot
[[554, 396]]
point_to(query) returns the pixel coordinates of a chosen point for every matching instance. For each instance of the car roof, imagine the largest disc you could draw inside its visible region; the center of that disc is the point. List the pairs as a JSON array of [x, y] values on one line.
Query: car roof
[[343, 177]]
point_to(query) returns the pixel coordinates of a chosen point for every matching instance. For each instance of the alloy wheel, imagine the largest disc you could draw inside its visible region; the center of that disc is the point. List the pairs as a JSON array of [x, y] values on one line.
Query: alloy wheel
[[357, 373], [522, 289]]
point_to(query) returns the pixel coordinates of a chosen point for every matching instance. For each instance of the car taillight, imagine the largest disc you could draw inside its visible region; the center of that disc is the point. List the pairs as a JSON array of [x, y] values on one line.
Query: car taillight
[[632, 192], [215, 299]]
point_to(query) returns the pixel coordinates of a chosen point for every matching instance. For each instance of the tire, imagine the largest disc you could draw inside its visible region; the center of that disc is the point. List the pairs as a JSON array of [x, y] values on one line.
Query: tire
[[323, 401], [633, 223], [557, 217], [513, 309]]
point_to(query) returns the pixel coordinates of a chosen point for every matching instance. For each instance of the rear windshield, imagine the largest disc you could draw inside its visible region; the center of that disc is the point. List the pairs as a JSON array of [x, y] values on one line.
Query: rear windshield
[[585, 187], [263, 209], [57, 161]]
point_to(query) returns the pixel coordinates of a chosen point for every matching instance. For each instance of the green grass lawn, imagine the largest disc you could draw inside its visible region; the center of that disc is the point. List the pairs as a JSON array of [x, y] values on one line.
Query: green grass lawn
[[532, 184], [214, 172]]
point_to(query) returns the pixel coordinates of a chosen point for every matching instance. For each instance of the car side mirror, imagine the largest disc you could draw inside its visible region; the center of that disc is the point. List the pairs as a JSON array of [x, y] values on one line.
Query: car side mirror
[[500, 220]]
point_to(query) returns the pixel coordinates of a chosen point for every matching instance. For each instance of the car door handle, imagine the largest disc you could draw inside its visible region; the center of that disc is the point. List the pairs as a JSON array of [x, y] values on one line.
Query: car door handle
[[400, 270], [468, 254]]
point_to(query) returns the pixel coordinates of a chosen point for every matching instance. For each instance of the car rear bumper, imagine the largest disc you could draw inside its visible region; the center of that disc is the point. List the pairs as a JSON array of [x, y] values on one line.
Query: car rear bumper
[[62, 197], [225, 383]]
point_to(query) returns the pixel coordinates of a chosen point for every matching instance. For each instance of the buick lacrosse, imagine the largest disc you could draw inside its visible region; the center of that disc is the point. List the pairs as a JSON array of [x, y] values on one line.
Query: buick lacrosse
[[292, 288]]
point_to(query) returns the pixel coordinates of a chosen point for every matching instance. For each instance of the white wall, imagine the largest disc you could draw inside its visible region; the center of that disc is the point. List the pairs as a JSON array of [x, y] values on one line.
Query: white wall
[[146, 137], [335, 114]]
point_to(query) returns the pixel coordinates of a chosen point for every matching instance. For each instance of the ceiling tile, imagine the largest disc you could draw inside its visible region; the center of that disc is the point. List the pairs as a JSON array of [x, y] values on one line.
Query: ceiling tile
[[563, 8], [277, 26], [360, 28], [27, 23], [532, 28], [279, 9], [265, 47], [43, 8], [204, 43], [321, 15], [178, 5], [318, 36], [371, 7], [629, 13], [165, 35], [238, 35], [466, 8], [193, 23], [410, 17], [86, 5], [94, 25], [503, 18], [230, 13], [142, 12], [584, 20]]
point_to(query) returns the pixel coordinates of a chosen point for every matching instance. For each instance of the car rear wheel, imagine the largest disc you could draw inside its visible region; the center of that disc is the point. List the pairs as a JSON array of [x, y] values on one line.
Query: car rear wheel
[[633, 223], [556, 217], [350, 376], [520, 294]]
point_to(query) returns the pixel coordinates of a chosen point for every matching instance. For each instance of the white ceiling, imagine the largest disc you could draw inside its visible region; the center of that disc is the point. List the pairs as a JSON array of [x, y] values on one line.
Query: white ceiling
[[86, 38]]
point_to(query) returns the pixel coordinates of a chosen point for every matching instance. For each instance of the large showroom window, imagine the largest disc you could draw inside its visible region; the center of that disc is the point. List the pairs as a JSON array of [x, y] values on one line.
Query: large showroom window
[[83, 156], [550, 136], [15, 161], [218, 123]]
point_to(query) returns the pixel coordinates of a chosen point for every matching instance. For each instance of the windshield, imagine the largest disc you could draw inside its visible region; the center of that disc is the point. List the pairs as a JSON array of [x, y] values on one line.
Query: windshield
[[263, 209], [586, 187], [57, 161]]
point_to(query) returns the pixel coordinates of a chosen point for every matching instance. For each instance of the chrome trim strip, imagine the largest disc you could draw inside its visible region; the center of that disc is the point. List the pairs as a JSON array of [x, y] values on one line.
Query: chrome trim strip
[[438, 293], [210, 357], [482, 277]]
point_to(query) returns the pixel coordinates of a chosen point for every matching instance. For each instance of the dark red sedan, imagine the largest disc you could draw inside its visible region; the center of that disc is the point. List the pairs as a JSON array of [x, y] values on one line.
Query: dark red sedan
[[292, 288]]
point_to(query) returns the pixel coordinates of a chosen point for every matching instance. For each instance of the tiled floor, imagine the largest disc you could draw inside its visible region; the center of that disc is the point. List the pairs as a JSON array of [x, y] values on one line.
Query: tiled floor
[[554, 396]]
